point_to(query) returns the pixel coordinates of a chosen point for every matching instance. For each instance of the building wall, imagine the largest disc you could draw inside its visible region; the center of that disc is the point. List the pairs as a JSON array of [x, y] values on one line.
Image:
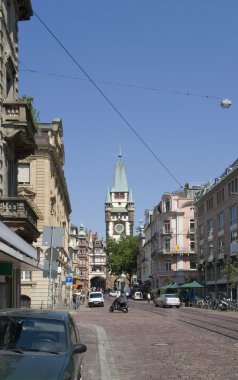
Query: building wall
[[48, 186], [216, 245]]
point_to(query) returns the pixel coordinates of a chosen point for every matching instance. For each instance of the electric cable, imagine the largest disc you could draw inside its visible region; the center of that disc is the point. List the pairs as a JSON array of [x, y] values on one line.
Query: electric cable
[[186, 93], [108, 100]]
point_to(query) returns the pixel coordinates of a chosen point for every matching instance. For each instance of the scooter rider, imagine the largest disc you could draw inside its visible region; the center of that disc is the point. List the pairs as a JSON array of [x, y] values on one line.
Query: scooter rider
[[122, 299]]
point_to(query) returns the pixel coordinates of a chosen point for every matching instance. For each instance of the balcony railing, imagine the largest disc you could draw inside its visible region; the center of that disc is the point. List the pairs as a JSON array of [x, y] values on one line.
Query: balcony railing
[[166, 231], [18, 214], [19, 127]]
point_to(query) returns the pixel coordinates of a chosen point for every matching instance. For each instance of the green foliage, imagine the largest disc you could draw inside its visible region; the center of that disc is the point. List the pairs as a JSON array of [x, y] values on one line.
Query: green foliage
[[167, 281], [155, 292], [230, 273], [122, 256], [34, 113]]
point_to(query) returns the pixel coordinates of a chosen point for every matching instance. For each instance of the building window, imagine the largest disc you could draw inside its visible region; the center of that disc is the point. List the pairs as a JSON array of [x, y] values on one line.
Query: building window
[[220, 221], [210, 249], [193, 264], [201, 232], [234, 237], [192, 244], [167, 205], [167, 226], [233, 215], [201, 251], [233, 187], [26, 275], [210, 204], [201, 210], [221, 245], [119, 195], [23, 173], [167, 245], [220, 196], [191, 225], [209, 227], [167, 266]]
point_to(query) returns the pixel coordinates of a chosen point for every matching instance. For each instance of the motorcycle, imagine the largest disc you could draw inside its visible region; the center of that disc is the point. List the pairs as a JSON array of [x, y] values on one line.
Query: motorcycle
[[123, 307]]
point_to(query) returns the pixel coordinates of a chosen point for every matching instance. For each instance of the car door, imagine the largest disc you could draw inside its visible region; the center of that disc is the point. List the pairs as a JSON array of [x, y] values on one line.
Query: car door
[[76, 358]]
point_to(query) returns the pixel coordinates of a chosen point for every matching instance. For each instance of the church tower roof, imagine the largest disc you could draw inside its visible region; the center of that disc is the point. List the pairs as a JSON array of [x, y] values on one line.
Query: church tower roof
[[120, 181], [108, 197], [130, 197]]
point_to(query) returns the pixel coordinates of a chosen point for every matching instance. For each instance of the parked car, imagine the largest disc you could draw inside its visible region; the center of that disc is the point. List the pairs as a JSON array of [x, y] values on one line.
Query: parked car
[[95, 299], [115, 293], [167, 300], [137, 296], [39, 344]]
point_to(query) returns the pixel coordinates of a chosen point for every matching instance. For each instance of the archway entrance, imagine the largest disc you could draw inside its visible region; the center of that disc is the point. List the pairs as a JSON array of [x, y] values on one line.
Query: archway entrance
[[98, 282]]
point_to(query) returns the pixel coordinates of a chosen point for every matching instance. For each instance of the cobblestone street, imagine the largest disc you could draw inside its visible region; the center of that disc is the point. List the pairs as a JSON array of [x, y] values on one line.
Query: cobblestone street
[[154, 343]]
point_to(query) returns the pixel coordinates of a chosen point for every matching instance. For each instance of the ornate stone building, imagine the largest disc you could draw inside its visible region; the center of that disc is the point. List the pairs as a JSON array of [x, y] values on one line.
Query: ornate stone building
[[81, 268], [119, 205], [41, 179], [97, 264], [17, 141], [119, 213]]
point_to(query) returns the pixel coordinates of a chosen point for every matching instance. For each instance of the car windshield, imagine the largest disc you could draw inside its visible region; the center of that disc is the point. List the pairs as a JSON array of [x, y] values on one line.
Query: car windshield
[[95, 295], [170, 296], [32, 333]]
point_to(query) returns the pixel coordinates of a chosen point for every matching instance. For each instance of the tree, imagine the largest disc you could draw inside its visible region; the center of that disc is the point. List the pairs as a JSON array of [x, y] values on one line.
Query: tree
[[122, 256], [230, 273]]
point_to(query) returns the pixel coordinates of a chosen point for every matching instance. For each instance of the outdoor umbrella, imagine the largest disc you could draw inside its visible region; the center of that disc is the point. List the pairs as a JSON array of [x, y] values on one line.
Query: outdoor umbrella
[[191, 285], [170, 286]]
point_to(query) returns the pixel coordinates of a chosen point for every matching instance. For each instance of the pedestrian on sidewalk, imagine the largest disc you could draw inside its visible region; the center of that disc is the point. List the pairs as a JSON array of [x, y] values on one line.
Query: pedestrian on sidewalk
[[148, 297], [74, 301]]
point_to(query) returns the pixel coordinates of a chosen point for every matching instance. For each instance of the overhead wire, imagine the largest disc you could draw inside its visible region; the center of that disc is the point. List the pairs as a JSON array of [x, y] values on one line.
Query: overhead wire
[[128, 85], [108, 100]]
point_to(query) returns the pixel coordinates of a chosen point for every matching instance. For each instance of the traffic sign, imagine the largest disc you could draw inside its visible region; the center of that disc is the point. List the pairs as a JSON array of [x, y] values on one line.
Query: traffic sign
[[69, 280]]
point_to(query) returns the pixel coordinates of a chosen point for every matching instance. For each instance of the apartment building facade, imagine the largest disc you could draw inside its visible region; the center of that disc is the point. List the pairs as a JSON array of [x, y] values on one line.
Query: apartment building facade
[[217, 229], [41, 180], [18, 225], [168, 255], [97, 264], [81, 263], [174, 258]]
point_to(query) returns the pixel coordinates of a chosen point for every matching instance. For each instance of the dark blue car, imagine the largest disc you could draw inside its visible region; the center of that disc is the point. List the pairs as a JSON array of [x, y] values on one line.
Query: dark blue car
[[42, 345]]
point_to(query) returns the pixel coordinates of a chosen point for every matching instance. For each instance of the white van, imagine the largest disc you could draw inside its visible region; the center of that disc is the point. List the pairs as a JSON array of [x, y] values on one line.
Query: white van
[[137, 296], [95, 299]]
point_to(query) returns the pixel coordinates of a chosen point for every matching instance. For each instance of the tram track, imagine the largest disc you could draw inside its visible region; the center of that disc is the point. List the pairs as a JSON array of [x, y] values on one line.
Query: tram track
[[204, 321]]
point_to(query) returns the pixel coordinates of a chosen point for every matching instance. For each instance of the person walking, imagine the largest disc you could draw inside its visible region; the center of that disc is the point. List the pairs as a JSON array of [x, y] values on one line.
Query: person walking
[[148, 297], [74, 301]]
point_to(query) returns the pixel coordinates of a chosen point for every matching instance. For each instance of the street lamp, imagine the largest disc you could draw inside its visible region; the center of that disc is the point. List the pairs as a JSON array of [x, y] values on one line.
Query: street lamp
[[226, 103]]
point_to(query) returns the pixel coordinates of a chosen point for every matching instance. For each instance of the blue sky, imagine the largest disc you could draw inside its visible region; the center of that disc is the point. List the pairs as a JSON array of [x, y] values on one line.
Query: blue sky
[[169, 48]]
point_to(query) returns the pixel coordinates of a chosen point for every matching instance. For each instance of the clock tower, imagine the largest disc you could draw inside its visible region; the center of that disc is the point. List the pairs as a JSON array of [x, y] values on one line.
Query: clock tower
[[119, 205]]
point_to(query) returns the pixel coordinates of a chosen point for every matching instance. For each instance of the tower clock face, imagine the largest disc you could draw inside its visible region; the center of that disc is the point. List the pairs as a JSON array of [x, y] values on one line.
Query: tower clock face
[[119, 228]]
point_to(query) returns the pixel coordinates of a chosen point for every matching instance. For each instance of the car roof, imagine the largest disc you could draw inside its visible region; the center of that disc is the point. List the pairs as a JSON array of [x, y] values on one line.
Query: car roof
[[34, 313], [96, 291]]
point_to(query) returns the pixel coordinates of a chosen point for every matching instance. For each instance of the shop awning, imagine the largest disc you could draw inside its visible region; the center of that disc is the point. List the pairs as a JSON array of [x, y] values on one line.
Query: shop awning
[[16, 250]]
